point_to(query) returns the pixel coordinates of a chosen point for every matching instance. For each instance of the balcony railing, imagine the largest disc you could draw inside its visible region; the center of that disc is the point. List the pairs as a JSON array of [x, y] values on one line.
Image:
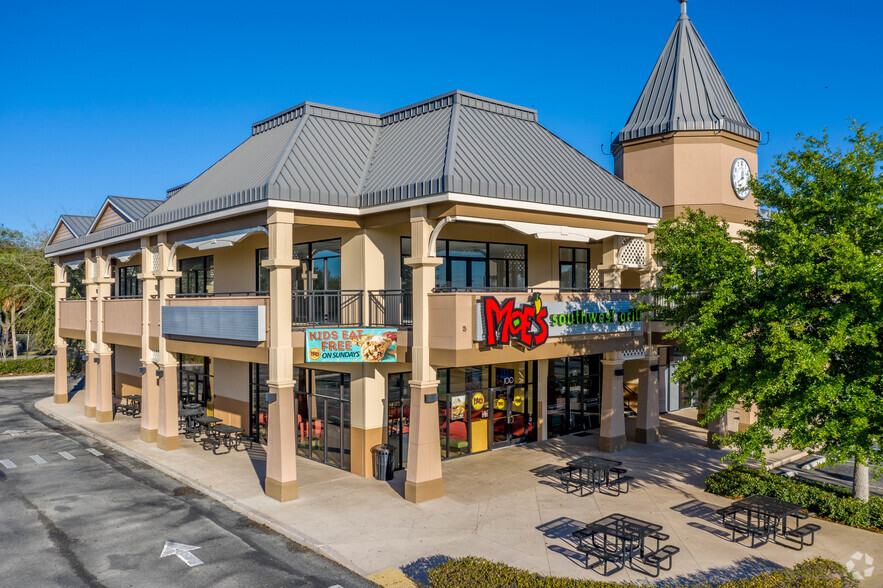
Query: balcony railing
[[391, 308], [483, 289], [326, 308]]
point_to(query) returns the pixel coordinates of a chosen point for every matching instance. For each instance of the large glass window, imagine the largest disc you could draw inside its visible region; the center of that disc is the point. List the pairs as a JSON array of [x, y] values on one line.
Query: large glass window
[[257, 383], [484, 407], [197, 275], [322, 405], [128, 283], [573, 268], [574, 393], [262, 274], [194, 382], [320, 265], [398, 413], [474, 264]]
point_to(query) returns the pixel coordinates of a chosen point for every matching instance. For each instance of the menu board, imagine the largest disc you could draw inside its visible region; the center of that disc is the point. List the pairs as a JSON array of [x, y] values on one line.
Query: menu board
[[350, 345]]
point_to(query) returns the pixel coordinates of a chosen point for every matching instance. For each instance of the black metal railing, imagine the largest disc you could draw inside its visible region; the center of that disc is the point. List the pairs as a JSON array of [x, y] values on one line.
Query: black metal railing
[[217, 294], [482, 289], [326, 307], [391, 308]]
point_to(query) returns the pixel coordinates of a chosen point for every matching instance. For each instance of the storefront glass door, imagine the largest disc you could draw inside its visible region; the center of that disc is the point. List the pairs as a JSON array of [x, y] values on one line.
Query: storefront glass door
[[322, 404], [574, 395]]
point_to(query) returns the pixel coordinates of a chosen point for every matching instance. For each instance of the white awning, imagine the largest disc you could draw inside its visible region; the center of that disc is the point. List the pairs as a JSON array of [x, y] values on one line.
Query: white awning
[[537, 230], [218, 241]]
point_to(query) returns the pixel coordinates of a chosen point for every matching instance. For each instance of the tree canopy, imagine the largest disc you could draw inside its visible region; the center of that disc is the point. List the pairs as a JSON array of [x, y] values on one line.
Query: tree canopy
[[26, 298], [791, 319]]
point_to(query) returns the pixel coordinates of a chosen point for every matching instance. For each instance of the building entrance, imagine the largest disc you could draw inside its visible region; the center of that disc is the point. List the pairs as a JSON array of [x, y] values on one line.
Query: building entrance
[[574, 395], [322, 405]]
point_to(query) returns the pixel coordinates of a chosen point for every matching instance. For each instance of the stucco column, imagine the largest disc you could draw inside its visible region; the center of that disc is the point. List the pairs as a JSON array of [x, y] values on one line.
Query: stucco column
[[747, 416], [167, 369], [149, 381], [104, 398], [424, 476], [367, 416], [612, 436], [281, 479], [610, 270], [718, 427], [647, 430], [542, 398], [91, 368], [59, 287]]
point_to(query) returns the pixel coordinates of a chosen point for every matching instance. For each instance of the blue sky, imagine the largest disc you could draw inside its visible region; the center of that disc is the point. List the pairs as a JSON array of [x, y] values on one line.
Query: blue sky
[[132, 98]]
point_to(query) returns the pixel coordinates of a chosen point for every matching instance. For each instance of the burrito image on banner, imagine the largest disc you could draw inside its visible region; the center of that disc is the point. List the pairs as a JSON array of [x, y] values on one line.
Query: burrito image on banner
[[375, 348]]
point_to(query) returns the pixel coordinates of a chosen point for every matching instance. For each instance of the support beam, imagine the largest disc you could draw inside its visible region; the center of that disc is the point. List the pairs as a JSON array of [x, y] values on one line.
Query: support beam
[[149, 381], [91, 389], [167, 437], [612, 437], [280, 482], [59, 288], [647, 430], [423, 480]]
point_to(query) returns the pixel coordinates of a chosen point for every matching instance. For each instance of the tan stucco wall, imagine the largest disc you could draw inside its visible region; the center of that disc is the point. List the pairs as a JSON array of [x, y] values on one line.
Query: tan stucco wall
[[230, 391], [687, 169], [127, 361]]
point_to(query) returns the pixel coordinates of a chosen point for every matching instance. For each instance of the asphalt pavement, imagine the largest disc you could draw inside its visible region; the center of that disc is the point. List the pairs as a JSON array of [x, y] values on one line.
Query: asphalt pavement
[[74, 512]]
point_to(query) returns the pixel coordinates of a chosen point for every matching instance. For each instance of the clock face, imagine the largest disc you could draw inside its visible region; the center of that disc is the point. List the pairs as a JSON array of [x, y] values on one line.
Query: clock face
[[739, 176]]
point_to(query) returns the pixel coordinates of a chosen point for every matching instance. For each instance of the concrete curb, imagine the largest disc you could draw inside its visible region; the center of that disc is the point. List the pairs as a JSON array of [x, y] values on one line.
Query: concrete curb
[[27, 377], [235, 505]]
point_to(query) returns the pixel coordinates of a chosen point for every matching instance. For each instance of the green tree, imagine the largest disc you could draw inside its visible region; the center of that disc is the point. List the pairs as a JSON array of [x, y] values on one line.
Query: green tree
[[791, 320], [26, 298]]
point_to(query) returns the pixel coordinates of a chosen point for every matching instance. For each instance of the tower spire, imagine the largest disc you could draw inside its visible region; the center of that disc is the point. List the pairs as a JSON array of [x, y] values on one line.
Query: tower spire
[[683, 7]]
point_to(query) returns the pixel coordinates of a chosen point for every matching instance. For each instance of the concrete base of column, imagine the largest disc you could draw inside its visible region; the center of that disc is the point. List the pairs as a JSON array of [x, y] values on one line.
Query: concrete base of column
[[713, 444], [89, 411], [424, 491], [361, 442], [281, 491], [104, 416], [148, 435], [59, 398], [612, 444], [168, 443], [743, 427], [647, 435]]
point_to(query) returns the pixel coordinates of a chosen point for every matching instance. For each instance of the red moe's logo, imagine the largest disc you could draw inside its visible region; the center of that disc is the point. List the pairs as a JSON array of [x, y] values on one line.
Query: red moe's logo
[[505, 323]]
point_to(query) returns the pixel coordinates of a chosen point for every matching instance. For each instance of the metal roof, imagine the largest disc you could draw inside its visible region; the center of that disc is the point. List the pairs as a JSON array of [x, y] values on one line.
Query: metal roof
[[686, 91], [457, 142], [78, 225], [134, 208]]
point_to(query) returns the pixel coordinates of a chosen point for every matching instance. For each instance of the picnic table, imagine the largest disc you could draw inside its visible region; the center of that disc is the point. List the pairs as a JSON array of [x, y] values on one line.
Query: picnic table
[[131, 406], [226, 436], [619, 539], [760, 516], [593, 472], [186, 422]]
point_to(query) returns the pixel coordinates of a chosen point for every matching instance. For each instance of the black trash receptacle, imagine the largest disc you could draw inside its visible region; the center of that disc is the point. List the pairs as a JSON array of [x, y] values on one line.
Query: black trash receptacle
[[384, 462]]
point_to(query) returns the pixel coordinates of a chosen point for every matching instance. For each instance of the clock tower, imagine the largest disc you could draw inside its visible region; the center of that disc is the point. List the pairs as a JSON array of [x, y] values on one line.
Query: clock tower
[[687, 142]]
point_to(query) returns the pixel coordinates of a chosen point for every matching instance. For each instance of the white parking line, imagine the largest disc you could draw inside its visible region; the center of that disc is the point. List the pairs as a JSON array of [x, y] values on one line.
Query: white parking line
[[38, 459], [94, 452], [7, 464], [66, 455]]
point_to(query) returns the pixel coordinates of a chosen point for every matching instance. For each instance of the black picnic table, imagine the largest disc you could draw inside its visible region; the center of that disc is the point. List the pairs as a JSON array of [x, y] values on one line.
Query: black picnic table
[[619, 539], [228, 436], [132, 406], [768, 511], [597, 469]]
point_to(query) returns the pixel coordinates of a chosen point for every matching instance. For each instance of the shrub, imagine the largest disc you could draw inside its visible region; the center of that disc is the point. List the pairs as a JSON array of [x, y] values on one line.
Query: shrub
[[37, 365], [827, 500], [476, 572]]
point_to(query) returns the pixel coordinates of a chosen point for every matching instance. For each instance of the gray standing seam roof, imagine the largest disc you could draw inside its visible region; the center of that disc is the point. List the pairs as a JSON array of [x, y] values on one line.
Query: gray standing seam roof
[[78, 225], [686, 91], [456, 142], [134, 208]]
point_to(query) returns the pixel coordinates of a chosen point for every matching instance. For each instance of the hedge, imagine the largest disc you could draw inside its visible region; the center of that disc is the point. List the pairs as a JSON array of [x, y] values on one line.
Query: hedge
[[476, 572], [827, 500], [36, 365]]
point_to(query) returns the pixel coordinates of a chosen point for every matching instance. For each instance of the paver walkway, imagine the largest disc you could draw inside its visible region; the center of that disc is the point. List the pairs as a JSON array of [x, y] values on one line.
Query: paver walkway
[[502, 505]]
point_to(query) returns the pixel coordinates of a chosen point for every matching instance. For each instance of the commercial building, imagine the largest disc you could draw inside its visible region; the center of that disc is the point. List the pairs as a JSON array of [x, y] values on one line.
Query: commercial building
[[449, 277]]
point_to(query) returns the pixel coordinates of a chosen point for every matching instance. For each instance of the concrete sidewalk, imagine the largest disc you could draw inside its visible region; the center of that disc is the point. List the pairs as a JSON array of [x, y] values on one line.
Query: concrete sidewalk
[[502, 505]]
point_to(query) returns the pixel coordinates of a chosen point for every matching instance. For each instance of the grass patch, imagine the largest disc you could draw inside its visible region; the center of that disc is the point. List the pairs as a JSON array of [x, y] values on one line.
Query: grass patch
[[826, 500], [476, 572]]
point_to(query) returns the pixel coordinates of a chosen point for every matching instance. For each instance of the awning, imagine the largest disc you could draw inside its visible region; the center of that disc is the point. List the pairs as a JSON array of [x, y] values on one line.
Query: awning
[[537, 230], [214, 241]]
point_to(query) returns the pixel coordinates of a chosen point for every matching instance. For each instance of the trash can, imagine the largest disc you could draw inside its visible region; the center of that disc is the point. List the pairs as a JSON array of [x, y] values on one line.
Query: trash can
[[384, 461]]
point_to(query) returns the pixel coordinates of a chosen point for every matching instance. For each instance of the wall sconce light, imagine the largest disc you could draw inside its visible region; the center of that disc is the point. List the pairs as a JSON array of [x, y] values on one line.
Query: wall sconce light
[[142, 370], [96, 359], [619, 372], [430, 398], [159, 373], [654, 368], [271, 398]]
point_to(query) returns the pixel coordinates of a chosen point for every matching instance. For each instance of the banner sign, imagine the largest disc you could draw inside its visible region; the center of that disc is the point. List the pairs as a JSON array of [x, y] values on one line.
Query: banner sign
[[499, 323], [353, 345]]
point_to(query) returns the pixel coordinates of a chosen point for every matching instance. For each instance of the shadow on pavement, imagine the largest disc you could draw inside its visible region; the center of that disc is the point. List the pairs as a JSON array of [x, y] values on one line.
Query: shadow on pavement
[[418, 570]]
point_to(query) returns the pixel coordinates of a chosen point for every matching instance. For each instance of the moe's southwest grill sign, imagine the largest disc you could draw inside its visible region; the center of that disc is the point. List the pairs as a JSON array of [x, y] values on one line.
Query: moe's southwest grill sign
[[531, 323], [350, 345]]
